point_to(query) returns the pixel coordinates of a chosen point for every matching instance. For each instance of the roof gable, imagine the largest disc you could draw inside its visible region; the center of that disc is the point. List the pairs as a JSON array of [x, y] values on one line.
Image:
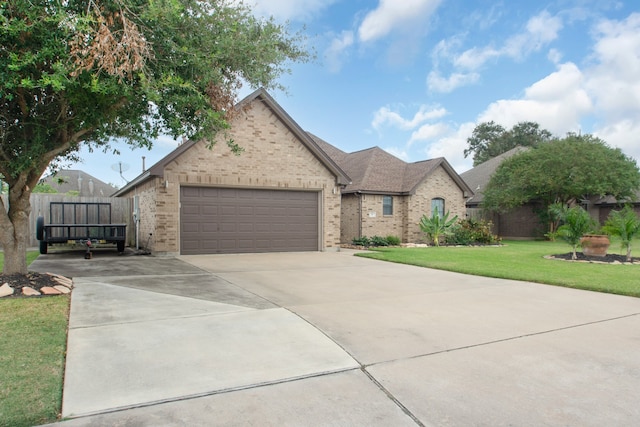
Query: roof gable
[[376, 171], [260, 95]]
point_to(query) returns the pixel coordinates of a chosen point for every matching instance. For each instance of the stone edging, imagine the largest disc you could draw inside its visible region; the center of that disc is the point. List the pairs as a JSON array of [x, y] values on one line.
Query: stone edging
[[64, 286]]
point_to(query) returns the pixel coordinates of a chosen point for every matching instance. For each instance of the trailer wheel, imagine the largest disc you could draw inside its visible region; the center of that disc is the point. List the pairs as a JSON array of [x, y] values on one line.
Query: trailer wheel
[[40, 228], [120, 246], [44, 247]]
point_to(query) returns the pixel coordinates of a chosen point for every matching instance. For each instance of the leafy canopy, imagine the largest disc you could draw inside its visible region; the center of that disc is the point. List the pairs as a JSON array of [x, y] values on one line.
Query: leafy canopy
[[564, 171], [76, 72], [490, 139]]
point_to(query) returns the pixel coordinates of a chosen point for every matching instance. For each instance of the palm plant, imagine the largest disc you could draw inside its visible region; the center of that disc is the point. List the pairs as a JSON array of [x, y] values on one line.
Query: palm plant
[[626, 225], [577, 223], [437, 226]]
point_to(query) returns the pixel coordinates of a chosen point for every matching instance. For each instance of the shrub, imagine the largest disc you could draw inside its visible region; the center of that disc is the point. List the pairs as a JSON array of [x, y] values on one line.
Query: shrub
[[361, 241], [624, 224], [471, 231], [379, 241], [436, 226], [393, 240], [577, 223]]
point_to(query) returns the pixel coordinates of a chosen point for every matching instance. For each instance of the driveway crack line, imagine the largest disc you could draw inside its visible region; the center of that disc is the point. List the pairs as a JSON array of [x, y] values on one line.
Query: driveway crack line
[[363, 369], [550, 331]]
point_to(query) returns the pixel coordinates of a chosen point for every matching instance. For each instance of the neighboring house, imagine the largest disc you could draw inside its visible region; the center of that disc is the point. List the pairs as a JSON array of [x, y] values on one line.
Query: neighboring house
[[282, 193], [522, 222], [79, 183], [601, 207], [388, 196]]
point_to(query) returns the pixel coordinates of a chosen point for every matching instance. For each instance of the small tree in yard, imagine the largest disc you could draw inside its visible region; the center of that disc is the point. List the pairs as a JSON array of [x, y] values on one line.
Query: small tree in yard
[[563, 171], [436, 226], [577, 223], [624, 224], [76, 73]]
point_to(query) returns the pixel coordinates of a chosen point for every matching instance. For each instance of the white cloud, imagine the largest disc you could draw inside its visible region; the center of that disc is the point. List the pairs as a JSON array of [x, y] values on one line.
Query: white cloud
[[452, 147], [392, 15], [540, 31], [474, 58], [336, 52], [556, 102], [615, 79], [428, 132], [554, 56], [437, 83], [289, 9], [385, 116], [614, 83], [624, 135]]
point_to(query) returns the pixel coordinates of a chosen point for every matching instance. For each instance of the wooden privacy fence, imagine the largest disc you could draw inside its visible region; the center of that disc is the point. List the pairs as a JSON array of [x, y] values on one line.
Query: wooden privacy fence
[[40, 202]]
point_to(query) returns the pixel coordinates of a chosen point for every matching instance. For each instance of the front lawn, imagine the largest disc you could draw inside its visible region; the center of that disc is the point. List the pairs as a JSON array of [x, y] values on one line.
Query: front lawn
[[522, 260], [32, 351]]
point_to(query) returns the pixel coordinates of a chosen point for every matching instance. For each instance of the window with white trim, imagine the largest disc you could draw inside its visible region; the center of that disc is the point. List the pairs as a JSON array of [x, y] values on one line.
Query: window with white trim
[[387, 205]]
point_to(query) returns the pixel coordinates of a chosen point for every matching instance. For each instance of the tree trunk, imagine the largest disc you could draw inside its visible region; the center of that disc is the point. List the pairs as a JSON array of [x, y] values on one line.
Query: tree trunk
[[14, 236], [15, 251], [629, 258]]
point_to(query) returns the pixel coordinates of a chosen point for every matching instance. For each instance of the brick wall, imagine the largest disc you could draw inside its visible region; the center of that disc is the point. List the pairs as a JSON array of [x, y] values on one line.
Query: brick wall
[[438, 185], [350, 218], [374, 223], [407, 210], [273, 158]]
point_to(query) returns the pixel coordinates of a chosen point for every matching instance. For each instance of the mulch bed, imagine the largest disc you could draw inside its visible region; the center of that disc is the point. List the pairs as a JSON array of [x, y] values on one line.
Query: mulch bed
[[36, 281], [607, 259]]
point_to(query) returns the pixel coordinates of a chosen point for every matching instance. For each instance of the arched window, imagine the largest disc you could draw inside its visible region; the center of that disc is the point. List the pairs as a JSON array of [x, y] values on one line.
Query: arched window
[[437, 205]]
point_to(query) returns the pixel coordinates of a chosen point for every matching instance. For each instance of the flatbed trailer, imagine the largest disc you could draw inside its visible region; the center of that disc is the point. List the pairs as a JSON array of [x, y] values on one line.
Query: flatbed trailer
[[79, 222]]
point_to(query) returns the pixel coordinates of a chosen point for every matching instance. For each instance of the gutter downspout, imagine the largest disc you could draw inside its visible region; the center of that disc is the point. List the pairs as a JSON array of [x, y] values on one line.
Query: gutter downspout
[[359, 214]]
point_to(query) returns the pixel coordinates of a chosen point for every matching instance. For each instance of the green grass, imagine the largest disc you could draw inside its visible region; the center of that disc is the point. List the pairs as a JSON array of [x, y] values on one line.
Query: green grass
[[522, 260], [32, 350]]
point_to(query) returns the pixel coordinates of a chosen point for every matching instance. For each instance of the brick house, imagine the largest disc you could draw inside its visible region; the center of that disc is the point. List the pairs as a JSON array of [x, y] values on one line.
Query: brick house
[[287, 191], [523, 222], [281, 194], [388, 196]]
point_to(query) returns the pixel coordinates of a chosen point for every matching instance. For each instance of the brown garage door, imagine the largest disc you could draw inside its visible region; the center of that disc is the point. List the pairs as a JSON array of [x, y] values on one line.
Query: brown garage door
[[227, 220]]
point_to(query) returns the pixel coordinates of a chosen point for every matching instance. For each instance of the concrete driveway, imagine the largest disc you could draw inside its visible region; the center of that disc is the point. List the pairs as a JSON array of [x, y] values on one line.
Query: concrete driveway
[[333, 339]]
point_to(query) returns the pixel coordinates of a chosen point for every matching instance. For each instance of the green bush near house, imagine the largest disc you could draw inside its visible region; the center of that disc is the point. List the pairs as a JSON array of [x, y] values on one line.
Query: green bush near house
[[624, 224], [393, 240], [472, 232], [437, 226], [376, 241]]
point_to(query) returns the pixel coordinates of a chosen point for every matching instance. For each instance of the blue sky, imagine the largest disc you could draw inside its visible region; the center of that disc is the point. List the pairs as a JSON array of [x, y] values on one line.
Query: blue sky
[[414, 77]]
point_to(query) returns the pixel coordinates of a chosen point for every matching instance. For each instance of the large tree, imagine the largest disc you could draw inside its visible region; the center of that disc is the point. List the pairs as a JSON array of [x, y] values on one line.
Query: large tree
[[490, 139], [76, 72], [564, 171]]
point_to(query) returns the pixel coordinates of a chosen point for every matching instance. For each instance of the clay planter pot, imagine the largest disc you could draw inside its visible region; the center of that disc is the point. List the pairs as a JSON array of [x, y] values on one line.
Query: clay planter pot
[[595, 244]]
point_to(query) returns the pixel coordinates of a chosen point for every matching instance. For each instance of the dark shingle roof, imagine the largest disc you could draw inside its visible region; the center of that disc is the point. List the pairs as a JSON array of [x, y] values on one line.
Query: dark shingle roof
[[375, 171], [478, 177], [66, 180]]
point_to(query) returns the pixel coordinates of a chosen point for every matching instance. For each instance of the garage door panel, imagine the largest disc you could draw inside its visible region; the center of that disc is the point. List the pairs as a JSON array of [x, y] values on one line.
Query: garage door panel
[[227, 220]]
